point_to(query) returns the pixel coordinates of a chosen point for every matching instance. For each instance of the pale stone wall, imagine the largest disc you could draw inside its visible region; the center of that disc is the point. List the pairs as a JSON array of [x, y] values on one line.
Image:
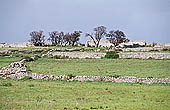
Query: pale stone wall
[[142, 49], [145, 55], [133, 43], [162, 45], [78, 54], [15, 45]]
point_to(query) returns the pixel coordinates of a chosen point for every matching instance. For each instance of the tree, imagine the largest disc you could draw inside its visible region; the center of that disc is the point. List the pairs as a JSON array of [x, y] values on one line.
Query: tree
[[116, 37], [72, 38], [75, 37], [37, 38], [99, 33], [56, 38], [67, 39]]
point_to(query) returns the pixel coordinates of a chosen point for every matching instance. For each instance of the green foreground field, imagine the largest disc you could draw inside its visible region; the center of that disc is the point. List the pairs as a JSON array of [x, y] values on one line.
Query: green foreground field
[[101, 67], [62, 95]]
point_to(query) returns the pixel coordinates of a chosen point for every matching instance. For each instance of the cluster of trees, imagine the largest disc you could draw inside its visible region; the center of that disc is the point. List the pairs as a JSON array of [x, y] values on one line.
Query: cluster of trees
[[56, 38], [60, 38]]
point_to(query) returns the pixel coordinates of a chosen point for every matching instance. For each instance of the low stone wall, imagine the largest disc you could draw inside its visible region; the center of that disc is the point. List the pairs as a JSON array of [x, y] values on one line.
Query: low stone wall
[[15, 45], [123, 79], [77, 54], [13, 68], [145, 55], [143, 49]]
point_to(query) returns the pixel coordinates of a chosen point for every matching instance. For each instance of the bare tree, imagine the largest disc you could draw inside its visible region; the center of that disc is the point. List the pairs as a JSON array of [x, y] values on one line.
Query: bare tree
[[67, 39], [75, 37], [56, 37], [72, 38], [116, 37], [100, 32], [37, 38]]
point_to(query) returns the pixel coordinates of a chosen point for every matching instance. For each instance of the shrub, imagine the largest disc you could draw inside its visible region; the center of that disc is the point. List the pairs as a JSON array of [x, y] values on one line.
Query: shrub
[[111, 55]]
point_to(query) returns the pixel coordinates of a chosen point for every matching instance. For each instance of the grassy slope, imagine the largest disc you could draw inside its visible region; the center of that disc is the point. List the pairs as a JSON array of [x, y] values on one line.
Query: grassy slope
[[48, 95], [102, 67]]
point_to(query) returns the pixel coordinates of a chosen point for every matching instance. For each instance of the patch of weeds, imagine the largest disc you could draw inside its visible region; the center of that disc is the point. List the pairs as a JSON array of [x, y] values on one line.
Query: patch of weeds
[[7, 84], [111, 55], [26, 78]]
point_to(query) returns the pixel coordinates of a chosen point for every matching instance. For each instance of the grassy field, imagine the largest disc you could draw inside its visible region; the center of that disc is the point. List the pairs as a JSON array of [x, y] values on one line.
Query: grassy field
[[101, 67], [62, 95], [4, 61]]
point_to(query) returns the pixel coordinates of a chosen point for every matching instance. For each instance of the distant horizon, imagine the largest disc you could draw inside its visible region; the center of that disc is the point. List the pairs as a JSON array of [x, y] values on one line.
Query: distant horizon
[[146, 20]]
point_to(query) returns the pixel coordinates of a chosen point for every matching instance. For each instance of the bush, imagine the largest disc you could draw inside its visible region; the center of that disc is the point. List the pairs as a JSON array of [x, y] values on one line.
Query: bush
[[111, 55]]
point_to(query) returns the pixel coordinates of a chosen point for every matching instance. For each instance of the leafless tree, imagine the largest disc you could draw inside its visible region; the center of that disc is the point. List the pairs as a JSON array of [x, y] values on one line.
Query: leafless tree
[[75, 37], [37, 38], [99, 33], [72, 38], [56, 38], [116, 37], [67, 39]]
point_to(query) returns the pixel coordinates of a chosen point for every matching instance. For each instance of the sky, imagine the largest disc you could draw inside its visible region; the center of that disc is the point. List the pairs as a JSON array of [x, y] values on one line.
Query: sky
[[147, 20]]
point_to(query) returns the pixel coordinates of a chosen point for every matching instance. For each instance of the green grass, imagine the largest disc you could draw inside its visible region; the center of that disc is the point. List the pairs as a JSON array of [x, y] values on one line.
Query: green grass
[[5, 61], [62, 95], [102, 67]]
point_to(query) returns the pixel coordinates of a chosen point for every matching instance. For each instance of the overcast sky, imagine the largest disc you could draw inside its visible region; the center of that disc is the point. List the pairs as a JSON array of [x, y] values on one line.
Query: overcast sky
[[147, 20]]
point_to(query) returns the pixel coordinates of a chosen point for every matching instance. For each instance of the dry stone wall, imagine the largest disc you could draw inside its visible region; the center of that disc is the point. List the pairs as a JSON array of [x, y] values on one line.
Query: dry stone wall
[[142, 49], [77, 54], [145, 55]]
